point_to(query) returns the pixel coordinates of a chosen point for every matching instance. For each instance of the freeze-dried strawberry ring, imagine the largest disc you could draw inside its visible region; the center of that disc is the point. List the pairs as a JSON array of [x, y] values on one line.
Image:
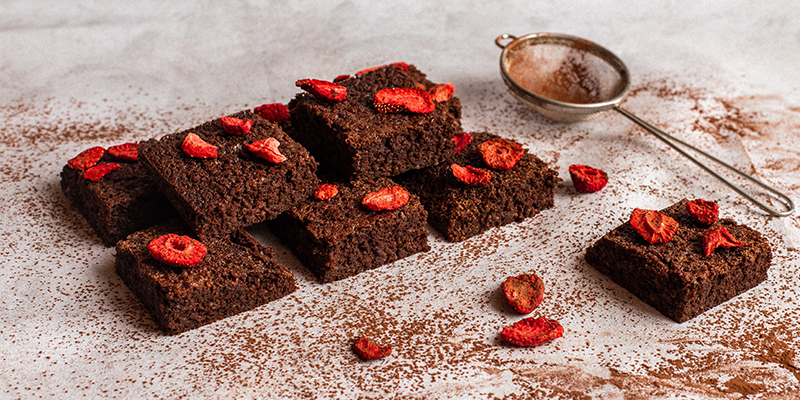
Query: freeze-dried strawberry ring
[[402, 65], [177, 250], [462, 140], [87, 158], [196, 147], [442, 92], [125, 151], [718, 236], [275, 112], [403, 99], [267, 149], [99, 171], [653, 226], [500, 153], [471, 175], [326, 191], [369, 350], [236, 126], [524, 292], [706, 212], [531, 332], [587, 179], [390, 198], [323, 90]]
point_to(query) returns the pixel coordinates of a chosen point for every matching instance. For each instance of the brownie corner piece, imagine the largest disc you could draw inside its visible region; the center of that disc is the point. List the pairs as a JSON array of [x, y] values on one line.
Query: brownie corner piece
[[362, 143], [216, 196], [236, 274], [460, 211], [123, 201], [339, 237], [675, 277]]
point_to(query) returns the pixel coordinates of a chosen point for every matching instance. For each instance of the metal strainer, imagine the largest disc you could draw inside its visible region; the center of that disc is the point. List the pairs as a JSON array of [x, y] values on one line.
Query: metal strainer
[[569, 79]]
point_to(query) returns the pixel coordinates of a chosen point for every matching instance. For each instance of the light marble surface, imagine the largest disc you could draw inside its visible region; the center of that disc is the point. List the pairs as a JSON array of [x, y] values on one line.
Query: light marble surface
[[722, 75]]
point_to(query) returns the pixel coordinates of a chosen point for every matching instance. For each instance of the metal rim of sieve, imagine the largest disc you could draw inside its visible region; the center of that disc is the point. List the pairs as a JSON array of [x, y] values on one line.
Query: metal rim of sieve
[[551, 108]]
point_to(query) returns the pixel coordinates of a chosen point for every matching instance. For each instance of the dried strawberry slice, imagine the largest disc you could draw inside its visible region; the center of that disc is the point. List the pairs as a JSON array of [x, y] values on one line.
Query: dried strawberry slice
[[323, 90], [86, 158], [275, 112], [462, 140], [524, 292], [718, 236], [369, 350], [390, 198], [402, 65], [442, 92], [236, 126], [500, 154], [587, 179], [196, 147], [267, 149], [99, 171], [177, 250], [705, 212], [653, 226], [531, 332], [341, 78], [125, 151], [471, 175], [403, 99], [326, 191]]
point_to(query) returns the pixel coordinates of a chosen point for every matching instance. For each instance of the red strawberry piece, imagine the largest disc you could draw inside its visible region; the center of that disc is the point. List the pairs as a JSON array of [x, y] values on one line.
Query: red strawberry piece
[[524, 292], [326, 191], [531, 332], [390, 198], [236, 126], [341, 78], [125, 151], [403, 99], [323, 90], [177, 250], [705, 212], [718, 236], [267, 149], [500, 154], [369, 350], [587, 179], [653, 226], [196, 147], [402, 65], [275, 112], [99, 171], [86, 158], [471, 175], [442, 92], [462, 140]]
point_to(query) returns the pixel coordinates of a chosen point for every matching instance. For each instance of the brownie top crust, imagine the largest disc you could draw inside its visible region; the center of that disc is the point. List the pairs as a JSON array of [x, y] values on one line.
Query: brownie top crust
[[356, 116], [683, 254]]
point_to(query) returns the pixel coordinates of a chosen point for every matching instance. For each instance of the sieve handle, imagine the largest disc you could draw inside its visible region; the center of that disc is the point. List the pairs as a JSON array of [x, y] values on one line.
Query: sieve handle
[[502, 37], [673, 142]]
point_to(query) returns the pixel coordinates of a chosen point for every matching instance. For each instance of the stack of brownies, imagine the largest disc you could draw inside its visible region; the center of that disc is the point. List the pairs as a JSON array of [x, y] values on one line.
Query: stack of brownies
[[347, 176]]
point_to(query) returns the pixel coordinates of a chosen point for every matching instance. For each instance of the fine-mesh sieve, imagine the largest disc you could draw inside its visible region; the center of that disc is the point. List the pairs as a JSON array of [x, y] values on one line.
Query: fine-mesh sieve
[[569, 79]]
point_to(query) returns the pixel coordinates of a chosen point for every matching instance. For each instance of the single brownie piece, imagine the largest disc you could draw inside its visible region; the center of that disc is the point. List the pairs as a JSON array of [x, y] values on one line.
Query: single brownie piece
[[675, 277], [460, 211], [362, 143], [123, 201], [340, 237], [215, 196], [236, 274]]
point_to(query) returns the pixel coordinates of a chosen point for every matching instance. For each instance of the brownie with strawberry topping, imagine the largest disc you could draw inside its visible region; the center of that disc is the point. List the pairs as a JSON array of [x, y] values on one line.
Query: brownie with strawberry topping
[[118, 202], [363, 136], [231, 172], [467, 196], [665, 263], [185, 283], [359, 226]]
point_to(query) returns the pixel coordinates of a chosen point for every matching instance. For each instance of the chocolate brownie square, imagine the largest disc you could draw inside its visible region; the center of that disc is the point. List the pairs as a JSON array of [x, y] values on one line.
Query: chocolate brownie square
[[460, 211], [675, 277], [362, 143], [124, 201], [215, 196], [340, 237], [236, 274]]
